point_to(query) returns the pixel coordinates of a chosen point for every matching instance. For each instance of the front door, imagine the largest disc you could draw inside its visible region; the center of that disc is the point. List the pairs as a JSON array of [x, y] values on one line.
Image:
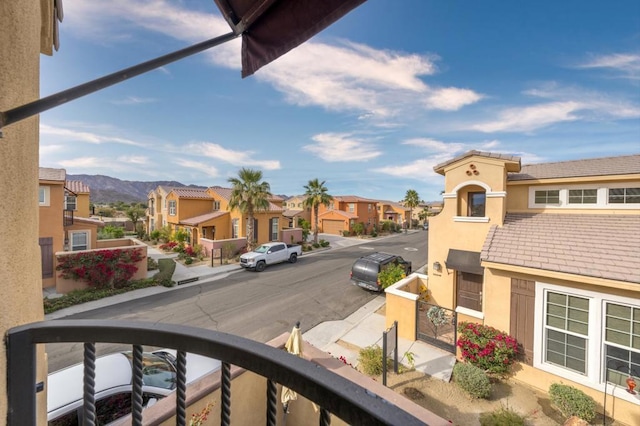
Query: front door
[[469, 290], [523, 296]]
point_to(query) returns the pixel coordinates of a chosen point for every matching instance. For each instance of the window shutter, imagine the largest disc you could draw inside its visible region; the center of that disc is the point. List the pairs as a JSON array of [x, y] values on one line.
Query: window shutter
[[270, 228]]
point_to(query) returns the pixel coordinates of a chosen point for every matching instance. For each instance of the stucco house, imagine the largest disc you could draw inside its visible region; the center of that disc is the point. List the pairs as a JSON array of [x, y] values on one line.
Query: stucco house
[[156, 216], [295, 210], [60, 229], [549, 253], [395, 212], [344, 212]]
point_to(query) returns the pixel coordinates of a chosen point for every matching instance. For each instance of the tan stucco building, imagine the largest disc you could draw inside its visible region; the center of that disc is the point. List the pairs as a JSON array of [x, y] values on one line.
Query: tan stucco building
[[549, 253]]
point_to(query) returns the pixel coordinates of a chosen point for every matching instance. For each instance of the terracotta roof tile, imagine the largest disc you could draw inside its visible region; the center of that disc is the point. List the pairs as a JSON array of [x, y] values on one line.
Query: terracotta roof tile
[[353, 199], [222, 192], [77, 187], [601, 246], [45, 173], [341, 213], [607, 166], [192, 193]]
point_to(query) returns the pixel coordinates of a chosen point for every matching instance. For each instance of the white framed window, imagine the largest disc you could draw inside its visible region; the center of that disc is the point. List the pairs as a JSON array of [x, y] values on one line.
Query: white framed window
[[172, 208], [79, 240], [235, 228], [43, 195], [70, 202], [548, 196], [624, 195], [352, 207], [586, 196], [588, 337], [583, 196], [216, 205], [275, 229]]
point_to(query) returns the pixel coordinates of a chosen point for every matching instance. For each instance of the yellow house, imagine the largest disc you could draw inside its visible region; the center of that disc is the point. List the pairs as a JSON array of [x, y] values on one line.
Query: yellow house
[[157, 208], [77, 198], [294, 210], [549, 253], [344, 212], [59, 228], [395, 212]]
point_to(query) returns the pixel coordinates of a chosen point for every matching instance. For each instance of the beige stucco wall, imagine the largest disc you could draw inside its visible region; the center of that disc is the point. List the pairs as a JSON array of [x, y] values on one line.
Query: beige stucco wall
[[401, 304], [20, 282], [82, 205]]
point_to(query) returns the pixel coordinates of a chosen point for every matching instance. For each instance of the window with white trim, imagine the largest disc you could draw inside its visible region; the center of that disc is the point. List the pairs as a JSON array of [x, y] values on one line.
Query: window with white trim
[[547, 197], [216, 205], [79, 240], [70, 202], [235, 228], [43, 195], [624, 195], [352, 207], [588, 337], [172, 208], [583, 196], [477, 203], [274, 229]]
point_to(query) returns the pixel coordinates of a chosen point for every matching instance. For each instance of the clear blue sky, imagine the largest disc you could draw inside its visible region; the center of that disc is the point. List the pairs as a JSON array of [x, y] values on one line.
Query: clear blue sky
[[370, 105]]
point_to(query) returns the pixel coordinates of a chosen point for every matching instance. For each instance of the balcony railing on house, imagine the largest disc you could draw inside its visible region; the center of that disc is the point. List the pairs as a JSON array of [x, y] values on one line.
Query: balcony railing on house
[[333, 393], [67, 218]]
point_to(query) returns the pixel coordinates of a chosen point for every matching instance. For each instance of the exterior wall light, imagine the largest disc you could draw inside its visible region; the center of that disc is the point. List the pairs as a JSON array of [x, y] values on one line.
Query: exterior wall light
[[631, 385], [437, 267]]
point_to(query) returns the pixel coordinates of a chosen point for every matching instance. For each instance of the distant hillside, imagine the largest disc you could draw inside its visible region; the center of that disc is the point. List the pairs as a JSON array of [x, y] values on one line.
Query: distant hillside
[[105, 189]]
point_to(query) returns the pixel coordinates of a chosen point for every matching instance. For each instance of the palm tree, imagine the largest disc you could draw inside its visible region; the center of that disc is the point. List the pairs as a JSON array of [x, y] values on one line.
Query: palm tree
[[249, 195], [411, 200], [316, 194]]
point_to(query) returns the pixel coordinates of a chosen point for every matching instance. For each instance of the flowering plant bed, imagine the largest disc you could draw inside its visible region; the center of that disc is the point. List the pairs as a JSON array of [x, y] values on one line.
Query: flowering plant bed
[[486, 347], [101, 268]]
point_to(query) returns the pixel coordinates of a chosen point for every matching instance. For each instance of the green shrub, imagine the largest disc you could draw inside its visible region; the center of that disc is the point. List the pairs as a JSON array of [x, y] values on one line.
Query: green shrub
[[391, 275], [324, 243], [152, 264], [472, 380], [77, 297], [346, 233], [370, 360], [501, 417], [155, 234], [188, 260], [166, 268], [486, 347], [316, 245], [110, 232], [571, 401], [359, 228]]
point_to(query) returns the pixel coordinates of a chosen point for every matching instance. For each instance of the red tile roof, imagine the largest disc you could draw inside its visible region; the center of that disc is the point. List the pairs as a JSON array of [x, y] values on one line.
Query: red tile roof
[[439, 168], [45, 173], [192, 193], [341, 213], [607, 166], [601, 246], [77, 187], [222, 192], [353, 199]]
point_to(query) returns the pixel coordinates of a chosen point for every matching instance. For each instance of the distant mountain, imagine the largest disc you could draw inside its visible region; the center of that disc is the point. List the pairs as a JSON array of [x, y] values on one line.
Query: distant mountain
[[105, 189]]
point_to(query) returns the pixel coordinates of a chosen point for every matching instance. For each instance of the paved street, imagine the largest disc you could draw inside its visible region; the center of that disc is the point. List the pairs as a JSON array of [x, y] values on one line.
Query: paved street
[[258, 306]]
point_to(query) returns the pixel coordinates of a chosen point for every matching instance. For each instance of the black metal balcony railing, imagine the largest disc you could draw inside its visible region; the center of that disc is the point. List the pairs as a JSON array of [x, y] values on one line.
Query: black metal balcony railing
[[67, 217], [333, 393]]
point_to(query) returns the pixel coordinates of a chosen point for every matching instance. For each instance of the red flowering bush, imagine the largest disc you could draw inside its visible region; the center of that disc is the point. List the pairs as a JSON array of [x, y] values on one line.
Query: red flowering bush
[[101, 268], [486, 347], [170, 246]]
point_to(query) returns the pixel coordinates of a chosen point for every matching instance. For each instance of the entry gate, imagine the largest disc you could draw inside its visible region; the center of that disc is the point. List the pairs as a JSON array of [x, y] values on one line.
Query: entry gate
[[437, 326]]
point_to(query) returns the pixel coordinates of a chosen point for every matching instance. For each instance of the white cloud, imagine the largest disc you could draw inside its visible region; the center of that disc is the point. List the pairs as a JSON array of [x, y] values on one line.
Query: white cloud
[[435, 145], [72, 135], [526, 119], [421, 169], [133, 100], [205, 168], [341, 147], [628, 64], [133, 159], [85, 163], [50, 149], [237, 158], [451, 98]]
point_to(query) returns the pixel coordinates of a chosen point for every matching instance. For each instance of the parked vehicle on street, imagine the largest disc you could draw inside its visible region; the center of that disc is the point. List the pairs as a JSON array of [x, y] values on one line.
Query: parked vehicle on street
[[425, 226], [364, 272], [113, 385], [270, 254]]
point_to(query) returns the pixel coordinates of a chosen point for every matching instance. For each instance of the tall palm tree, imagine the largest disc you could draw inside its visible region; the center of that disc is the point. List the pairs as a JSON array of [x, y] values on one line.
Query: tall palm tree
[[411, 200], [316, 194], [249, 195]]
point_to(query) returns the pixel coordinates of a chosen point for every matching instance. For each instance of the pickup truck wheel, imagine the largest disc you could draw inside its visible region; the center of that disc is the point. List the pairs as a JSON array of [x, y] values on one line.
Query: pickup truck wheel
[[260, 266], [293, 258]]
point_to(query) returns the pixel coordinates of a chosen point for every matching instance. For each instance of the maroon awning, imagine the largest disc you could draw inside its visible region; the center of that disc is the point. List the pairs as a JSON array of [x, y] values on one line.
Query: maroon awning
[[271, 28]]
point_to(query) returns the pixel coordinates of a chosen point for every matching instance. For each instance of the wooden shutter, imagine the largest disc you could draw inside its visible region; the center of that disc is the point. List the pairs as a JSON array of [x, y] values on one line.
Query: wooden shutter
[[46, 253]]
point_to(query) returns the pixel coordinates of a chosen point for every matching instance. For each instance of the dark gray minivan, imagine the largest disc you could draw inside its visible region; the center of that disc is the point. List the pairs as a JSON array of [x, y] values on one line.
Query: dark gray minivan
[[364, 272]]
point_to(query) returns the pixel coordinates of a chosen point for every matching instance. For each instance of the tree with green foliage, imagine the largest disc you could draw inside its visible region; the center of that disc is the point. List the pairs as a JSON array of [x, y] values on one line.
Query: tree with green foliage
[[316, 194], [306, 227], [358, 228], [249, 195], [411, 200]]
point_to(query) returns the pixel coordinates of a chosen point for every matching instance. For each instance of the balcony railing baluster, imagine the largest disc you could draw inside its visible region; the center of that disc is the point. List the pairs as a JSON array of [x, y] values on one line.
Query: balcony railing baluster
[[272, 401], [136, 398], [225, 395], [181, 390], [89, 392], [325, 417]]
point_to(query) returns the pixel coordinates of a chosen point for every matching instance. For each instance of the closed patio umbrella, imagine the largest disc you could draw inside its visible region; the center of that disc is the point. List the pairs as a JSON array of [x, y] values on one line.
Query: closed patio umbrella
[[294, 347]]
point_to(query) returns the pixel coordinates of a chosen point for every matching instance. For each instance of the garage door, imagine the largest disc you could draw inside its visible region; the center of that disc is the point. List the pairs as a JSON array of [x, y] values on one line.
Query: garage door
[[332, 226]]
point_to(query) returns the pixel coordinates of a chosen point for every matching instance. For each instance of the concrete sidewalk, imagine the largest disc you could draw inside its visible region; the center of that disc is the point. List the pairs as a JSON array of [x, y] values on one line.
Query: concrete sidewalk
[[363, 328]]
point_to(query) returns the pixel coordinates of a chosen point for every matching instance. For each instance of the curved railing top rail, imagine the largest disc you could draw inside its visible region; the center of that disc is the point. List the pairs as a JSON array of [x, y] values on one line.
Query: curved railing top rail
[[343, 398]]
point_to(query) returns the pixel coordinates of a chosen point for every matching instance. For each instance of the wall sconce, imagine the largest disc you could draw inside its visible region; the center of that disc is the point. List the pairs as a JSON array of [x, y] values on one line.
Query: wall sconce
[[631, 385], [66, 245], [437, 266]]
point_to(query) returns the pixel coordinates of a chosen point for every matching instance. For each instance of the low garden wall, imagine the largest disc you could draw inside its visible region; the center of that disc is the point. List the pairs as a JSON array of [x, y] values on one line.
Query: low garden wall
[[291, 235], [115, 242], [65, 285], [209, 246], [402, 304]]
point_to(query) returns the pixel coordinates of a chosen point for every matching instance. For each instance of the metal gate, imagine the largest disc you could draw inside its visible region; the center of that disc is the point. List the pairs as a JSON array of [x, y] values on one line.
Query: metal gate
[[437, 326]]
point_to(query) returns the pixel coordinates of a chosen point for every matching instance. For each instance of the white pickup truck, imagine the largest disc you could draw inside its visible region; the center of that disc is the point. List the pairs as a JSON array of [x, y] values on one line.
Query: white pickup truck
[[270, 254]]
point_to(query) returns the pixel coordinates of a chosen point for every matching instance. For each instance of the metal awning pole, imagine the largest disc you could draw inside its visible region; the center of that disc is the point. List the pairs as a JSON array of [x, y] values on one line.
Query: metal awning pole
[[36, 107]]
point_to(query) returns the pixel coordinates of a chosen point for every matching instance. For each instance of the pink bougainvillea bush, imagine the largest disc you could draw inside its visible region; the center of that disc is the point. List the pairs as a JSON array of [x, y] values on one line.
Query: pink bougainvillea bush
[[486, 347], [101, 268]]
